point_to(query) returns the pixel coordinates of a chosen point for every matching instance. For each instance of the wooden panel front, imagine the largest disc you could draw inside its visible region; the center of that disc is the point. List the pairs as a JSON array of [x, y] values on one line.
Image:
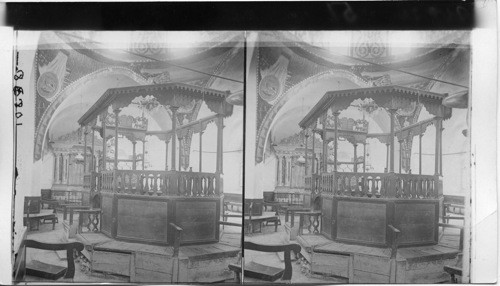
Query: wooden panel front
[[361, 221], [107, 213], [153, 268], [198, 219], [330, 264], [111, 262], [327, 216], [417, 221], [142, 219]]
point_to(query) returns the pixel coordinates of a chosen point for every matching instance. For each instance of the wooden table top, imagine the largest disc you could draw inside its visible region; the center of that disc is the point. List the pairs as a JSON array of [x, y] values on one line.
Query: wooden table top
[[41, 213]]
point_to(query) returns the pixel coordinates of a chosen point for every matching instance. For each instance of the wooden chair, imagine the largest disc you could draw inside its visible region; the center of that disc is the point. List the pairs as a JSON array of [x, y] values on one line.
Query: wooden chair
[[264, 272], [455, 270], [48, 271]]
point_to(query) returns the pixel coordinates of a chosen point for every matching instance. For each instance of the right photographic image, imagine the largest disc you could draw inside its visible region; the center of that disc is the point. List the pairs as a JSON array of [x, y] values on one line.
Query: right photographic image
[[357, 156]]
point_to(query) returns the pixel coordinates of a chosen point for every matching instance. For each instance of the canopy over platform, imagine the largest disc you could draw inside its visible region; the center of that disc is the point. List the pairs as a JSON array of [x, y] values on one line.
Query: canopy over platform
[[358, 207], [138, 205], [388, 97], [174, 95]]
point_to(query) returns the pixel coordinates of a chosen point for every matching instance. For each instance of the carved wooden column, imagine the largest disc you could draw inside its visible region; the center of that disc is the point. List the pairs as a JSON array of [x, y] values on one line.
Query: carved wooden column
[[313, 161], [387, 155], [278, 170], [103, 124], [420, 153], [54, 171], [58, 168], [282, 171], [93, 152], [364, 157], [85, 132], [335, 143], [66, 168], [441, 146], [166, 152], [437, 153], [287, 167], [201, 145], [117, 112], [180, 152], [306, 165], [143, 153], [174, 133], [325, 147], [400, 155], [134, 165], [355, 158], [392, 113], [220, 127]]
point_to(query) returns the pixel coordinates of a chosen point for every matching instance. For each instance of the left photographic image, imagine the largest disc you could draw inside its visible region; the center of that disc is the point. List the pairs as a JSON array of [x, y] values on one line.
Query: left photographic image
[[129, 156]]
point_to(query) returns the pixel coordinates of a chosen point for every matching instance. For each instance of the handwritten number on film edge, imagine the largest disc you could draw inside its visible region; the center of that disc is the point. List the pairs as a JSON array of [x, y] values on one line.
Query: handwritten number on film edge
[[18, 90]]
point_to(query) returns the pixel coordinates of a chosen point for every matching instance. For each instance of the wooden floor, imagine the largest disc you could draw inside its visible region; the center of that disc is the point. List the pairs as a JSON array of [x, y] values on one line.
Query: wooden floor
[[152, 263], [364, 264]]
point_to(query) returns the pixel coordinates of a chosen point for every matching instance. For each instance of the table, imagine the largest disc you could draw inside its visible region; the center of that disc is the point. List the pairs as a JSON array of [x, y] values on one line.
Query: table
[[292, 210], [43, 214], [252, 221], [313, 226], [93, 215]]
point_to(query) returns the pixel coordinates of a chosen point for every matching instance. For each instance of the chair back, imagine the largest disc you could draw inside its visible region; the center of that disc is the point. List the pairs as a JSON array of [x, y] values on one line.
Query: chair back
[[69, 247], [287, 249]]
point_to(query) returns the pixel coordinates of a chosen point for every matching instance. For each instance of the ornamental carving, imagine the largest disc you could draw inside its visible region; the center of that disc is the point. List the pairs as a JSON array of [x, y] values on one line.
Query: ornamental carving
[[370, 45], [274, 78], [347, 124], [127, 121]]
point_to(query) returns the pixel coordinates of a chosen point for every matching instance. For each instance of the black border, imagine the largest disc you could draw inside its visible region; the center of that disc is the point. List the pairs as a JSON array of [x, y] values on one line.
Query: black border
[[328, 15]]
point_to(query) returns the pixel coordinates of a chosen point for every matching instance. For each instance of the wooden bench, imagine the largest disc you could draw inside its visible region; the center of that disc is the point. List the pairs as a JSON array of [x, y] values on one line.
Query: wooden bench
[[251, 222], [264, 272], [238, 205], [33, 214]]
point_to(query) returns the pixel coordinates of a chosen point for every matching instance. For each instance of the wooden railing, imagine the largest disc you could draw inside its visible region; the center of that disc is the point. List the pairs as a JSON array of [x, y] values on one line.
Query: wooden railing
[[87, 179], [160, 183], [291, 198], [377, 185], [312, 182], [106, 181]]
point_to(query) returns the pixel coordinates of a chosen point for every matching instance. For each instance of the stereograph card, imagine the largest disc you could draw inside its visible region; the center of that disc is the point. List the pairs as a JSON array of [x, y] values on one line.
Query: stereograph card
[[241, 156]]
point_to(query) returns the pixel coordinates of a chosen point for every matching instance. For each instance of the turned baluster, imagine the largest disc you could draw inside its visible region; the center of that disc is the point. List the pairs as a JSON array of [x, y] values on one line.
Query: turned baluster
[[154, 184], [193, 181], [347, 189], [414, 189], [118, 182], [362, 186], [163, 183], [126, 183], [211, 189], [145, 190], [138, 184], [380, 187], [420, 189], [427, 188]]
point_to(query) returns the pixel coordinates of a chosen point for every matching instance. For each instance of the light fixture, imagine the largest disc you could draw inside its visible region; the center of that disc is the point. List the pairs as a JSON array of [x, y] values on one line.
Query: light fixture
[[79, 158], [301, 160]]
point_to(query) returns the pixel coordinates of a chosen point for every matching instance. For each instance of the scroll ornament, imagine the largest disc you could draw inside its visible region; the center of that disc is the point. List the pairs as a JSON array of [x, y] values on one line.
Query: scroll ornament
[[273, 80], [51, 77]]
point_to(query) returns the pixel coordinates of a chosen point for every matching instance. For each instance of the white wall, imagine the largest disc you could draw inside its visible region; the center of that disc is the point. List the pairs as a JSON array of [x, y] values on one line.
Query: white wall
[[28, 173]]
